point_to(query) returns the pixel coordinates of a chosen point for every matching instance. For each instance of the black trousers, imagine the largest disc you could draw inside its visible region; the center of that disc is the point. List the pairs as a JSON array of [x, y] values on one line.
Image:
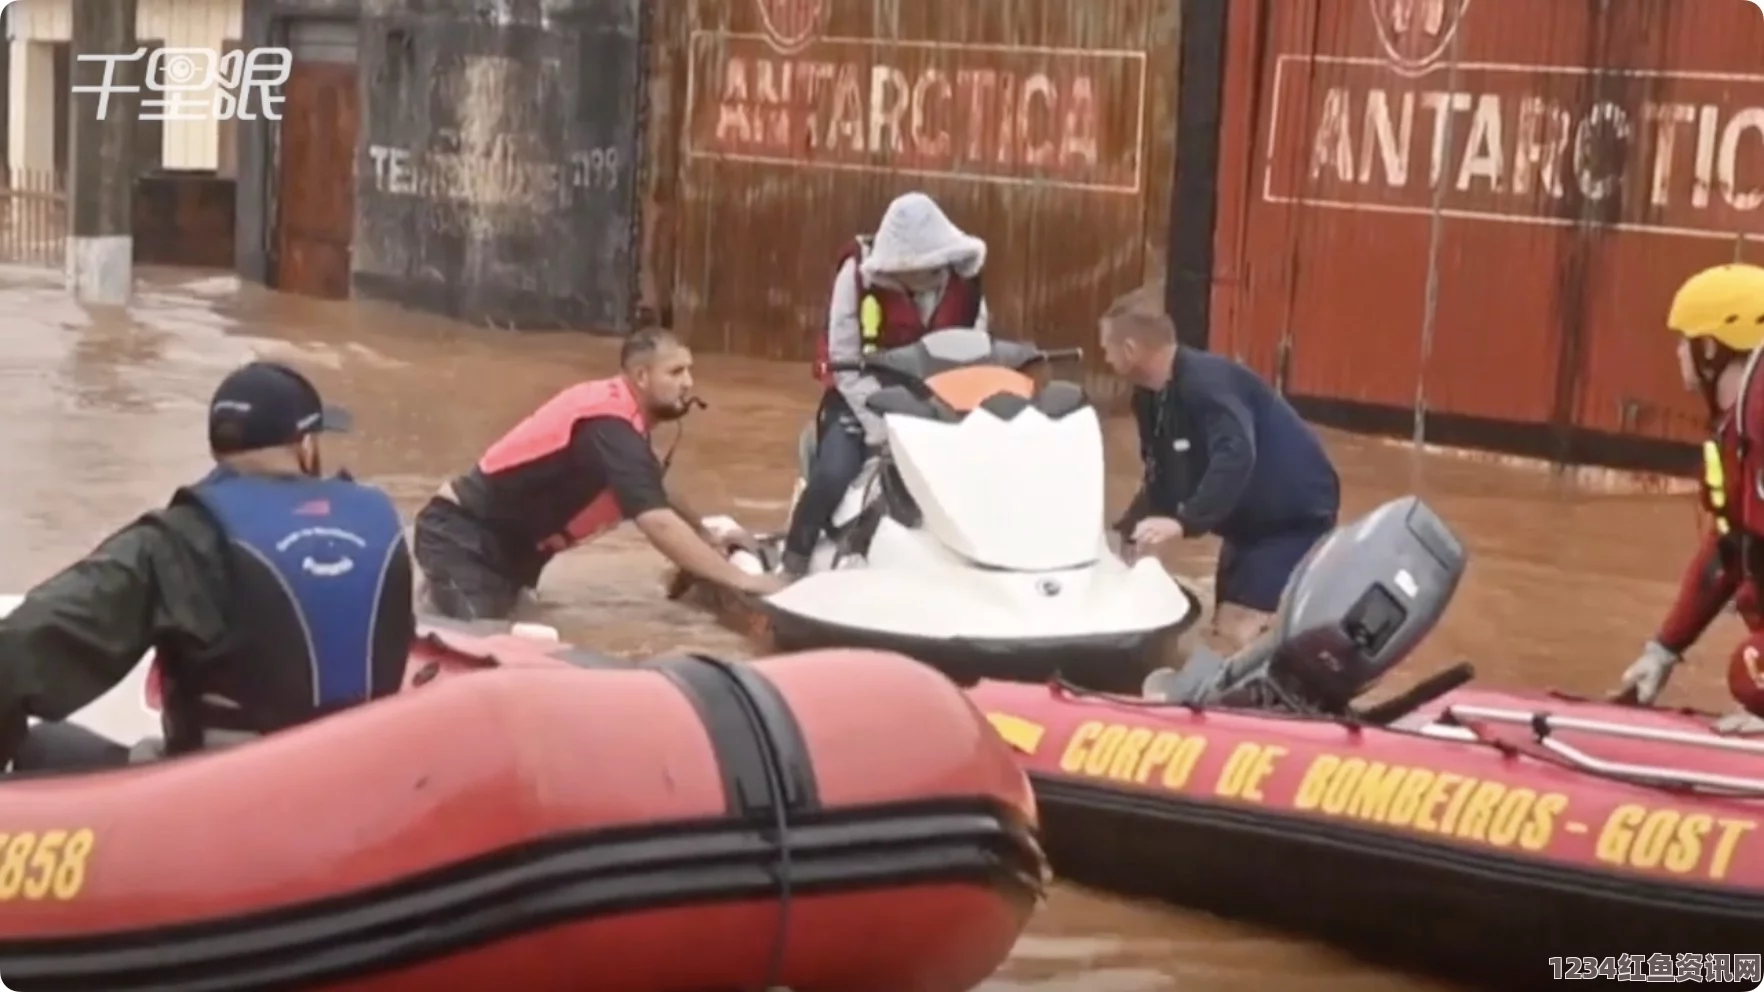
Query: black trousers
[[840, 453], [468, 575]]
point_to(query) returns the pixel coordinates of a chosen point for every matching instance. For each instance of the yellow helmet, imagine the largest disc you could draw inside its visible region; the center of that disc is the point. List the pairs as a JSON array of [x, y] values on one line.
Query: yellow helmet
[[1725, 303]]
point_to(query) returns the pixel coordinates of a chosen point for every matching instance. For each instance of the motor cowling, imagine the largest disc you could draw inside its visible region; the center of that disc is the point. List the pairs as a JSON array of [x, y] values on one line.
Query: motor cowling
[[1355, 608]]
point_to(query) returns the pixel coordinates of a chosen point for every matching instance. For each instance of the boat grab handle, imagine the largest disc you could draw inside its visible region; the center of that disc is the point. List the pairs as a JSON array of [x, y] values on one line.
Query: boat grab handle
[[1544, 726], [1655, 773]]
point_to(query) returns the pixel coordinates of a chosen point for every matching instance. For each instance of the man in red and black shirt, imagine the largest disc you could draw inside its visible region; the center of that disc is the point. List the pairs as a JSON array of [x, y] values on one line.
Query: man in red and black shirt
[[573, 470]]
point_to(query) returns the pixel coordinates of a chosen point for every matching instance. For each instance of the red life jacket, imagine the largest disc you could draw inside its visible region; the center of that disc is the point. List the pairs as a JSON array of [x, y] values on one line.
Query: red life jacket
[[900, 324], [548, 430], [1733, 466]]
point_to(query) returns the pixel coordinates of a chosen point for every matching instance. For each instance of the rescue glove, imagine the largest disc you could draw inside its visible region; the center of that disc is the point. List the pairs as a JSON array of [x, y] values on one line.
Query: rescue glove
[[1644, 679], [1740, 723]]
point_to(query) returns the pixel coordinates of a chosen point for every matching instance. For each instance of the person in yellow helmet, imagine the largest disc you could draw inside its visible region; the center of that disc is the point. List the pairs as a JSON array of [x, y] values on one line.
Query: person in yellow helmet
[[1719, 317]]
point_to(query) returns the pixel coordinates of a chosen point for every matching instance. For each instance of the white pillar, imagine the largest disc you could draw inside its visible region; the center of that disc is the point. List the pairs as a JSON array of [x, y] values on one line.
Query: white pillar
[[191, 144]]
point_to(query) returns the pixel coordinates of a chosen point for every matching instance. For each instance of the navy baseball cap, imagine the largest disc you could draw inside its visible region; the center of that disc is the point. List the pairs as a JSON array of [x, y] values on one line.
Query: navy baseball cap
[[267, 405]]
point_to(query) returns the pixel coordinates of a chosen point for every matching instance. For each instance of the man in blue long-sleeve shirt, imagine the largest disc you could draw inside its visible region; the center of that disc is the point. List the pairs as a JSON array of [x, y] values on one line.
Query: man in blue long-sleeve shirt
[[1223, 454]]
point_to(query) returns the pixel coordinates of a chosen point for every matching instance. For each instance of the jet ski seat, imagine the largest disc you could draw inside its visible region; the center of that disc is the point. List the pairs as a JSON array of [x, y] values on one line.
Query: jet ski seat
[[1055, 400], [1004, 406], [903, 401]]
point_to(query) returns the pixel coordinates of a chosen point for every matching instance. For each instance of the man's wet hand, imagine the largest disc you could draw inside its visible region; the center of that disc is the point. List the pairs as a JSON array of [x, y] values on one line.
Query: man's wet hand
[[1153, 531], [731, 541]]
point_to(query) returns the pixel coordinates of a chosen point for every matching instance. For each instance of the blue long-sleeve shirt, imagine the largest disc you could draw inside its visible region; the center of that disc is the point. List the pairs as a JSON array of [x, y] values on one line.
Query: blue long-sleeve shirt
[[1225, 454]]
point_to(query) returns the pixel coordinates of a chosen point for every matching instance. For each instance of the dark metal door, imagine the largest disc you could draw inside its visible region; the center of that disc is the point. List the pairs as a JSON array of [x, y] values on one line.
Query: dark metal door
[[315, 178]]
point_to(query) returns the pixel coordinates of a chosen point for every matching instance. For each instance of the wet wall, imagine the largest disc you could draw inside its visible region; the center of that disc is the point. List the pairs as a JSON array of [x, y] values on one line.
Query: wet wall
[[1567, 167], [496, 179], [1046, 127]]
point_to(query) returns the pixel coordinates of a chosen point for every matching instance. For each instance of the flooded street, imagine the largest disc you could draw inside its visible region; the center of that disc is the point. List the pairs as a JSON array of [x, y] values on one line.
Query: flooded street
[[104, 416]]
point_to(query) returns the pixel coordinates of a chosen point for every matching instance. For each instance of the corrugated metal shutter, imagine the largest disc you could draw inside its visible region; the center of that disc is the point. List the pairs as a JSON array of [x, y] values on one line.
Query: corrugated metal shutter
[[323, 41]]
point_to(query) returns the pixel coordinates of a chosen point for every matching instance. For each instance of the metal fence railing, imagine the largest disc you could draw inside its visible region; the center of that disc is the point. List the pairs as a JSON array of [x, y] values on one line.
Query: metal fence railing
[[33, 218]]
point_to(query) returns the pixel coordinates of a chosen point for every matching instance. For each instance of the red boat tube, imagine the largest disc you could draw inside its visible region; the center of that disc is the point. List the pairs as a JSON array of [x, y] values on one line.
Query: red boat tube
[[545, 820], [1480, 838]]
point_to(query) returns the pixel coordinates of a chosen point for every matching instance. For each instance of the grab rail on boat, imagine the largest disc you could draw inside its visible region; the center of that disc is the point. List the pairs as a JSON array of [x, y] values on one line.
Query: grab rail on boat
[[1546, 723], [1544, 726]]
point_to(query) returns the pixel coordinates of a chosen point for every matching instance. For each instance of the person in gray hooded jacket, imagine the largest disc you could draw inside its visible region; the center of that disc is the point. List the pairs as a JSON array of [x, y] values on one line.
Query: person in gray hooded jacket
[[919, 273]]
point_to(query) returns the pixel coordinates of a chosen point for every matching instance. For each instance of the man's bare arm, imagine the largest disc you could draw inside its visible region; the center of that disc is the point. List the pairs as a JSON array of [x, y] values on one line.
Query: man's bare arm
[[681, 542], [688, 512]]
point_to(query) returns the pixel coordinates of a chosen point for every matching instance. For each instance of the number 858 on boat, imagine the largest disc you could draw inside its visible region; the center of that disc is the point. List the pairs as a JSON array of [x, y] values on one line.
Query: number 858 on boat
[[1710, 968]]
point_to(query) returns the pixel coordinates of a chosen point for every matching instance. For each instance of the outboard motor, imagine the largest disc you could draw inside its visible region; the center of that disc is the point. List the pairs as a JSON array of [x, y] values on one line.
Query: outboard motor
[[1354, 609]]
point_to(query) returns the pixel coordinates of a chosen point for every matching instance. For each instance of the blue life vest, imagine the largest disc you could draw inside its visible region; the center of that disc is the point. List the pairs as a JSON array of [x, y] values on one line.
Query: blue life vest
[[312, 562]]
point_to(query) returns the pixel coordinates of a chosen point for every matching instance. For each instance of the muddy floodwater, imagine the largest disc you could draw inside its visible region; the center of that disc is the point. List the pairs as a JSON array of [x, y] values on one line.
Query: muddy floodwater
[[102, 416]]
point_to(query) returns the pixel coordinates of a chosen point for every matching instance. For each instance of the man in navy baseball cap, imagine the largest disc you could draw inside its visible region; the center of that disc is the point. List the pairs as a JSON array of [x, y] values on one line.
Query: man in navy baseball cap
[[269, 593], [268, 405]]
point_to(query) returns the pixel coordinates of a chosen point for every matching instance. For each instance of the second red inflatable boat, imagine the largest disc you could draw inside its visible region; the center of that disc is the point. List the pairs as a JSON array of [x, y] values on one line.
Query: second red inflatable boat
[[1507, 839]]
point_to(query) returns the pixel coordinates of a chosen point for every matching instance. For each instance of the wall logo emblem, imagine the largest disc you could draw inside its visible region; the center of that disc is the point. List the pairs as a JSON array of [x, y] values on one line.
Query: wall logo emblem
[[792, 25], [1415, 34]]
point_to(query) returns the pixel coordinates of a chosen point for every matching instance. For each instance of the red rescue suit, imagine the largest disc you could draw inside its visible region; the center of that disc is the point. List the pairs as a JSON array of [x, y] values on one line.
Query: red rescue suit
[[888, 317], [1729, 565]]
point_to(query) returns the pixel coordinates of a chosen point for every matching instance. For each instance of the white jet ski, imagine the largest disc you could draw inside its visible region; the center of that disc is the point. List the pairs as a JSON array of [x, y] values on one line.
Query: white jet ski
[[976, 540]]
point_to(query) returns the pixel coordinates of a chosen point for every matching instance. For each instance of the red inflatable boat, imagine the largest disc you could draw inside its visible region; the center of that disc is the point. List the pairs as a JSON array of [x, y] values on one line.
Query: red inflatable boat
[[545, 820], [1474, 833]]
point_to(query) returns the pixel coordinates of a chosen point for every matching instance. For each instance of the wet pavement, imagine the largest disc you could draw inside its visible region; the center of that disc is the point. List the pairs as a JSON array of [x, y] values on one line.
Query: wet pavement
[[102, 416]]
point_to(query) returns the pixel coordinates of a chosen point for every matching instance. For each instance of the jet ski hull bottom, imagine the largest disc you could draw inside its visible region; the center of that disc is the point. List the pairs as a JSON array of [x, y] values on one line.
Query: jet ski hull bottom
[[1103, 663]]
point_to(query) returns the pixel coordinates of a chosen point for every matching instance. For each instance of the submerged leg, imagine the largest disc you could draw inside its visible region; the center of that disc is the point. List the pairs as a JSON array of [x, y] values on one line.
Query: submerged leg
[[1236, 627], [1252, 576], [460, 583]]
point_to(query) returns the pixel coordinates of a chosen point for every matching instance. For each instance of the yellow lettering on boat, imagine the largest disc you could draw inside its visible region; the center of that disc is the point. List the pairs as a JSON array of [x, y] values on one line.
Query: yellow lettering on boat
[[1432, 802], [1019, 733], [1132, 755], [45, 865], [1246, 769], [1671, 840]]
